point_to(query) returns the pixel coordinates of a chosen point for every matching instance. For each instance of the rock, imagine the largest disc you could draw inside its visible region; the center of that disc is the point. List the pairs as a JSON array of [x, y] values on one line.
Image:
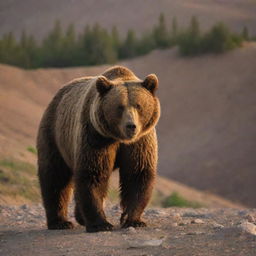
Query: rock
[[156, 212], [174, 224], [217, 225], [24, 207], [19, 217], [139, 243], [243, 212], [106, 232], [131, 230], [248, 227], [194, 233], [197, 221], [176, 217], [183, 223], [197, 215], [250, 218], [33, 213]]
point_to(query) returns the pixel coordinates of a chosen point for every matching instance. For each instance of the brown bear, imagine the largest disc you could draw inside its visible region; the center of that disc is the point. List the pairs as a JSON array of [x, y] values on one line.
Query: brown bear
[[92, 126]]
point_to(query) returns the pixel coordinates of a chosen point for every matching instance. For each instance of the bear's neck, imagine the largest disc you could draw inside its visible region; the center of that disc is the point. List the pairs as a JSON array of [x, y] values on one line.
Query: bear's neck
[[95, 139]]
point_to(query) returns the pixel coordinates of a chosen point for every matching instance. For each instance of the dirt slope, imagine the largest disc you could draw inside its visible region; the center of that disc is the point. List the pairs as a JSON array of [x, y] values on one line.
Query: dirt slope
[[38, 17], [207, 133]]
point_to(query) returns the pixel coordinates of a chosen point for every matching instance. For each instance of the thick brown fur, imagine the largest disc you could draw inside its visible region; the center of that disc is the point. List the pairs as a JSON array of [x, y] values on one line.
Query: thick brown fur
[[92, 126]]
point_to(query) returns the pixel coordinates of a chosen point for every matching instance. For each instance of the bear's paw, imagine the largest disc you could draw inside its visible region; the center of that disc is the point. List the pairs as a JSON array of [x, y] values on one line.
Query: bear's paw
[[105, 226], [61, 225], [135, 224]]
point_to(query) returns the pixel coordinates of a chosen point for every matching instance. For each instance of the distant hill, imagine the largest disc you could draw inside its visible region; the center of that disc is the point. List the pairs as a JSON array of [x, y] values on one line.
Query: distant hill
[[38, 17], [207, 136]]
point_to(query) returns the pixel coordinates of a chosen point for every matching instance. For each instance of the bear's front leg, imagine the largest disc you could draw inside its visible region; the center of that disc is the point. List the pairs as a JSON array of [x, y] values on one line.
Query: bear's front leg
[[136, 191], [91, 184], [137, 174], [90, 191]]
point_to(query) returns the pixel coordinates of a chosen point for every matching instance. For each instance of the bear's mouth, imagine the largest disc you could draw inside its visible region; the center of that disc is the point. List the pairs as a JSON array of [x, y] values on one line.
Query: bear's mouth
[[128, 134]]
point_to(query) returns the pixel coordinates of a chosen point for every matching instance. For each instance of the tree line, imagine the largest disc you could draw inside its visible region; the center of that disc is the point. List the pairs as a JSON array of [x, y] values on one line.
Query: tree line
[[96, 45]]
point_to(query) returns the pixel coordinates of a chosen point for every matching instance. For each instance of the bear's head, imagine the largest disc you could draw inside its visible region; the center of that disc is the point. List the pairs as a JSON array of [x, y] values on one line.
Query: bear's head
[[125, 110]]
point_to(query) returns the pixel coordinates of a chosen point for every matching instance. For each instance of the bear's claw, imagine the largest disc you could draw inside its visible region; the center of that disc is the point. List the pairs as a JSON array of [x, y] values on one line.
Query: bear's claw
[[61, 225], [99, 227], [134, 224]]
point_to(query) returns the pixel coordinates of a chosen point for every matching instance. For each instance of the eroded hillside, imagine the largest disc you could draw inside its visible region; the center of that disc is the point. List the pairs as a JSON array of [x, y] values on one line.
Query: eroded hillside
[[207, 128]]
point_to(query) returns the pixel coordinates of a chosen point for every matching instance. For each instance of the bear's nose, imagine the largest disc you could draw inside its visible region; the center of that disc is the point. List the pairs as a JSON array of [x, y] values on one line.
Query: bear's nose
[[131, 127]]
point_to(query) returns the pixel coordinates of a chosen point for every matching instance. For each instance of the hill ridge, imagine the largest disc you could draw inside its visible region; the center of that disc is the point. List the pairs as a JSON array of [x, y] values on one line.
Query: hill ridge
[[30, 15]]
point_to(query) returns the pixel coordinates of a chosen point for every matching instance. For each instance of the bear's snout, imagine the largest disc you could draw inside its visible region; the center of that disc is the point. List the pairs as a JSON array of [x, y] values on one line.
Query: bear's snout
[[130, 129], [129, 124]]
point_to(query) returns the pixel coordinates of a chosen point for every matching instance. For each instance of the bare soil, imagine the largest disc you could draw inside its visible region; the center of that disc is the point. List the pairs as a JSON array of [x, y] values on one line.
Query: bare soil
[[172, 231]]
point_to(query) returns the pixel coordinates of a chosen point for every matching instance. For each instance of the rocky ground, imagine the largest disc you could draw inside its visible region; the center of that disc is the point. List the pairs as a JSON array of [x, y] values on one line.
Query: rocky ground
[[171, 231]]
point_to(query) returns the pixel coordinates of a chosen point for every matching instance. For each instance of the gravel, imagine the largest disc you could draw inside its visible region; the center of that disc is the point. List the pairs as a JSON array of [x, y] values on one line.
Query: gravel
[[171, 231]]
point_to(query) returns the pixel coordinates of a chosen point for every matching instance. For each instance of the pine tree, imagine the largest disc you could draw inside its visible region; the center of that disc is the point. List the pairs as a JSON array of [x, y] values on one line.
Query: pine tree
[[82, 42], [161, 34], [9, 49], [146, 44], [115, 39], [190, 40], [70, 53], [53, 47], [194, 27], [245, 33], [98, 46], [129, 46], [28, 51], [174, 31], [218, 39]]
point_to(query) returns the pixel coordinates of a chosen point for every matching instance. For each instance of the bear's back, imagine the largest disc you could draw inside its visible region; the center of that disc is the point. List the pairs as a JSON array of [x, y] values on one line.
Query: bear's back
[[119, 72]]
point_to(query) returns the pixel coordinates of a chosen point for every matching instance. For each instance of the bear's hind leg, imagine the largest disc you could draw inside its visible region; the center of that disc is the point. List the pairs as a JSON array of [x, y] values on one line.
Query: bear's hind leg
[[56, 188], [78, 216]]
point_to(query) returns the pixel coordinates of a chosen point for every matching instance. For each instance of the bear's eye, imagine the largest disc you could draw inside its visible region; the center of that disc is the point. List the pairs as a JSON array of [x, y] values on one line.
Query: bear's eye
[[138, 106]]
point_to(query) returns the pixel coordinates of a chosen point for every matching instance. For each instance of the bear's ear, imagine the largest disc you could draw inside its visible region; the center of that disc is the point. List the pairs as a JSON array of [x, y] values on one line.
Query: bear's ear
[[151, 83], [103, 85]]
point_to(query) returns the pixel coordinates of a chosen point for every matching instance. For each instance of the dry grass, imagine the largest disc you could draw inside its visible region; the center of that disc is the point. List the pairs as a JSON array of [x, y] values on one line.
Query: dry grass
[[18, 180]]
